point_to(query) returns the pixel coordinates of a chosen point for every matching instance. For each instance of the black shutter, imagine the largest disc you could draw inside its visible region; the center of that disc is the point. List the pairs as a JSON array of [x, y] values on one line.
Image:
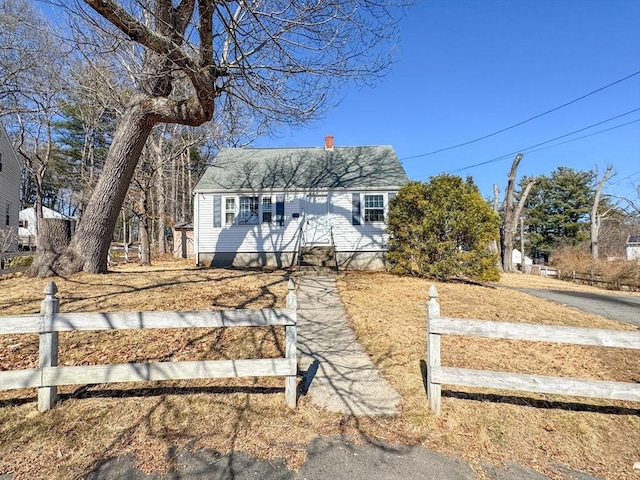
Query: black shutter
[[280, 210], [217, 210], [355, 209]]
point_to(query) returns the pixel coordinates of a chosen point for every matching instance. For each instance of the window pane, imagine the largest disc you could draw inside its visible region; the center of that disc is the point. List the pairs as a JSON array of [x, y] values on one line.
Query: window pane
[[374, 215], [373, 201], [374, 208], [230, 210], [266, 203], [266, 217], [248, 212]]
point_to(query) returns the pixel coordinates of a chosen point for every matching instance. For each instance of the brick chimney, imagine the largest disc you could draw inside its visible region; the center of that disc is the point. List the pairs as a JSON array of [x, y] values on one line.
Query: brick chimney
[[328, 142]]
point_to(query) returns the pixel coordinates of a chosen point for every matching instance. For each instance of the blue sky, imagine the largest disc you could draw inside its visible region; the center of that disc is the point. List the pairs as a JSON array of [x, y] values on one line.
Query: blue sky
[[467, 68]]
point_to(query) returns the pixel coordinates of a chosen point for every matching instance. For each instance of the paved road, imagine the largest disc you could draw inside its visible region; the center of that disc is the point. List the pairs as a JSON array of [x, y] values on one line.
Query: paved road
[[625, 308], [329, 458]]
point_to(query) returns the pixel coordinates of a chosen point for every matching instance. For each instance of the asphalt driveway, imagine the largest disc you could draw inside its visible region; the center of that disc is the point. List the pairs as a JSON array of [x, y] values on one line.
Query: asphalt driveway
[[624, 308]]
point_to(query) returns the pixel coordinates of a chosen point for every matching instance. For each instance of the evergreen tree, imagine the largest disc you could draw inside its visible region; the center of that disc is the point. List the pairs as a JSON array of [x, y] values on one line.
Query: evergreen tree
[[442, 229], [557, 211]]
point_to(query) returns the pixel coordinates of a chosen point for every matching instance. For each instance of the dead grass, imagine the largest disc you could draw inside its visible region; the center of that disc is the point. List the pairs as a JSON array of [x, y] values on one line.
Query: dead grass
[[94, 423], [483, 426]]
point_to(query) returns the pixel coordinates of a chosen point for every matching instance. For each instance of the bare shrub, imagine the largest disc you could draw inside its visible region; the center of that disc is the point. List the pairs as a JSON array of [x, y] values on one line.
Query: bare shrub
[[577, 265]]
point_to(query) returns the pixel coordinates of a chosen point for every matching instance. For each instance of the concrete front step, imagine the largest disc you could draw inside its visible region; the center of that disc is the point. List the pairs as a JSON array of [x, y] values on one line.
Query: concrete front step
[[318, 259], [317, 270]]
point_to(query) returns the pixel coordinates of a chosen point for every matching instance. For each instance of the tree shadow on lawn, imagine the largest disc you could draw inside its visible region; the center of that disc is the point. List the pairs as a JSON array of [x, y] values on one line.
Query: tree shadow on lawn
[[133, 290], [528, 401], [88, 392]]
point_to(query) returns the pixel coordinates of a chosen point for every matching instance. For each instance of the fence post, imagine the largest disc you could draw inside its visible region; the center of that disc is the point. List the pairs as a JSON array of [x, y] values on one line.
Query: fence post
[[48, 351], [433, 351], [290, 382], [109, 256]]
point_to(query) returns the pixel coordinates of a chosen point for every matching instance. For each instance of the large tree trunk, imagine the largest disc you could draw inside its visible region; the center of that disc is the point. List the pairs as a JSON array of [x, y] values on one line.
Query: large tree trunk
[[511, 214], [160, 184], [90, 245], [594, 216], [53, 238], [494, 246]]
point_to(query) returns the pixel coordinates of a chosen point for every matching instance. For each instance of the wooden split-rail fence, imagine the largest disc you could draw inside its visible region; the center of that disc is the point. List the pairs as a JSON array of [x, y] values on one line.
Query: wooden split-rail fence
[[49, 322], [123, 250], [438, 375]]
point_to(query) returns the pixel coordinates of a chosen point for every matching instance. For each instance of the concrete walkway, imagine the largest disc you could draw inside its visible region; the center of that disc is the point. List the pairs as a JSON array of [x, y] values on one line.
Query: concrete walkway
[[338, 374]]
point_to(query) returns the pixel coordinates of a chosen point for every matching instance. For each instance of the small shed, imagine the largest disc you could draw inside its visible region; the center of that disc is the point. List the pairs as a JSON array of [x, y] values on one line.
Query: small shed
[[183, 240], [633, 247]]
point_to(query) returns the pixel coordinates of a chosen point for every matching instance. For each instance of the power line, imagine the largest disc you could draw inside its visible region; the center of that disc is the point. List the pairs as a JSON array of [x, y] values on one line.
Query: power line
[[524, 121], [628, 176], [585, 136], [502, 157]]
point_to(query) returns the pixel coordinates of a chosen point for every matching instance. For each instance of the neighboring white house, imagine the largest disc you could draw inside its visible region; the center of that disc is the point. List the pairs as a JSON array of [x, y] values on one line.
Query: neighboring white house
[[516, 258], [27, 232], [633, 247], [10, 169], [258, 207]]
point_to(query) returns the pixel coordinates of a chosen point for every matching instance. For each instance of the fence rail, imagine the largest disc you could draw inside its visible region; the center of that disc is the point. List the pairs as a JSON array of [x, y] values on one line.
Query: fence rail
[[48, 376], [597, 278], [437, 374], [124, 249]]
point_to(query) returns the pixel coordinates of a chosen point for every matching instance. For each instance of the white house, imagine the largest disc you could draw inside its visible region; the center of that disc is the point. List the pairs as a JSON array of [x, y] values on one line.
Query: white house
[[259, 207], [10, 169], [27, 232], [516, 258], [633, 247]]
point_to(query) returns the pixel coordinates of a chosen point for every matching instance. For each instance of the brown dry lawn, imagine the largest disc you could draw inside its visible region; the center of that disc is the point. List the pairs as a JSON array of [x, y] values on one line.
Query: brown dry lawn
[[94, 423]]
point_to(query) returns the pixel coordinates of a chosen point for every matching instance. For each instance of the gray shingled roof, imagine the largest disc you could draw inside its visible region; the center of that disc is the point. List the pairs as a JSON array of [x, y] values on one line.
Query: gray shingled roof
[[303, 169]]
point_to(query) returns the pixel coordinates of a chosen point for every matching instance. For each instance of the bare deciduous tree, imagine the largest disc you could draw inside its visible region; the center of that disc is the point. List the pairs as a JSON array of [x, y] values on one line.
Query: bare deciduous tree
[[281, 60], [494, 247], [8, 239], [511, 213], [33, 83], [595, 217]]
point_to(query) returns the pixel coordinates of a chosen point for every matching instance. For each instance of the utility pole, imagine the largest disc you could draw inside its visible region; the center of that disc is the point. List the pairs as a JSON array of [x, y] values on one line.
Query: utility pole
[[522, 267]]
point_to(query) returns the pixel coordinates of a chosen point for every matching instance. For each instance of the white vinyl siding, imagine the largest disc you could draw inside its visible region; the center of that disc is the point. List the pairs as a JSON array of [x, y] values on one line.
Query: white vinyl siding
[[244, 238], [9, 186], [366, 237], [270, 236]]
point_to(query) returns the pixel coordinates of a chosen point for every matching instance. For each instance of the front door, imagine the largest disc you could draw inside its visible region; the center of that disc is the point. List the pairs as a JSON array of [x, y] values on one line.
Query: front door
[[317, 229]]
